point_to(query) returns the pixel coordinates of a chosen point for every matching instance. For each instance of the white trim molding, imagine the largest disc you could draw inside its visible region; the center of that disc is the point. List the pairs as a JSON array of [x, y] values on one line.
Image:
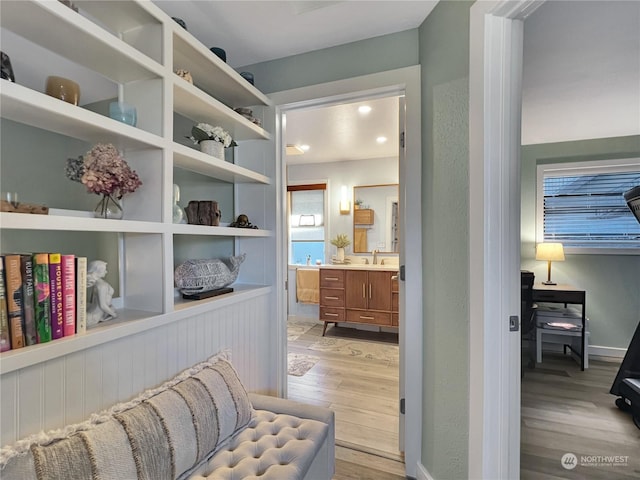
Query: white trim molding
[[495, 85], [423, 473]]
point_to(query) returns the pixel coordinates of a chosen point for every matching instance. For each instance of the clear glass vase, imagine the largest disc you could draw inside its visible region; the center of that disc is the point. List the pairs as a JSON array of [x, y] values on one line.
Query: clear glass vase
[[108, 207]]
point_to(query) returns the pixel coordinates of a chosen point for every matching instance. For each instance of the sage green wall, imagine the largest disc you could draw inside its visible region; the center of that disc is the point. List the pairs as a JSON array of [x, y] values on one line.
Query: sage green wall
[[379, 54], [444, 57], [441, 46], [611, 281]]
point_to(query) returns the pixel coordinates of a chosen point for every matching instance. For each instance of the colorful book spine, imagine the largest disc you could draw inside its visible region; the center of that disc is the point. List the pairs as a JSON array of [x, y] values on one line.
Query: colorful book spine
[[13, 279], [81, 295], [42, 301], [28, 300], [5, 338], [55, 288], [68, 265]]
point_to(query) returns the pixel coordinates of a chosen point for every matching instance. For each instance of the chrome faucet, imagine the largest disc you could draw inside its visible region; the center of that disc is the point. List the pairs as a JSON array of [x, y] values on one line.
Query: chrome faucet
[[375, 256]]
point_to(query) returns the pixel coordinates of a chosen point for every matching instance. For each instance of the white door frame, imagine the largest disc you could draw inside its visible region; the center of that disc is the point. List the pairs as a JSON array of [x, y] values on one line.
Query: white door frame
[[394, 82], [495, 87]]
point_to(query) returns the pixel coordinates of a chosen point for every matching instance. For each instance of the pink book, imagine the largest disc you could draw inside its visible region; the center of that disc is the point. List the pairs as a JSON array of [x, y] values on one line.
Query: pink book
[[68, 265], [55, 286]]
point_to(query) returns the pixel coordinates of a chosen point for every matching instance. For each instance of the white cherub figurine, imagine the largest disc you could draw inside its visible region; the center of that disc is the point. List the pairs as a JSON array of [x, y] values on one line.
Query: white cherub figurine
[[99, 306]]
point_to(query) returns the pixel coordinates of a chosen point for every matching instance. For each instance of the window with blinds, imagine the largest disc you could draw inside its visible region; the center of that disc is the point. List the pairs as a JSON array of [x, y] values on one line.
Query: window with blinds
[[585, 207]]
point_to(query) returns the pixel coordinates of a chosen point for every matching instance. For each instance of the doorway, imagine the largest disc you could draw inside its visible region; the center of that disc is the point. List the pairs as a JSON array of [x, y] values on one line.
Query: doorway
[[343, 160], [398, 82]]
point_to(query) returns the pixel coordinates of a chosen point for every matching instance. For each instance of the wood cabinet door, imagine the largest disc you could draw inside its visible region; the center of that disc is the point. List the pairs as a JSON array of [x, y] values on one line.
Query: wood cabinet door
[[356, 289], [379, 291]]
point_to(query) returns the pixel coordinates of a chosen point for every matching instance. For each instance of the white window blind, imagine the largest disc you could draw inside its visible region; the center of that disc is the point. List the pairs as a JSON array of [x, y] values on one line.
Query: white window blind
[[583, 209]]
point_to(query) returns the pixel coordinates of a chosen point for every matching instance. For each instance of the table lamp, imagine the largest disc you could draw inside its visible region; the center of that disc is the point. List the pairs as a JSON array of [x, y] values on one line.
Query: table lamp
[[551, 252]]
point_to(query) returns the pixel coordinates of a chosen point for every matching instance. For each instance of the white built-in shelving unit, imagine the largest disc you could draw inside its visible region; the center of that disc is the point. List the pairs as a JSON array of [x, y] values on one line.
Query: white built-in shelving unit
[[135, 48]]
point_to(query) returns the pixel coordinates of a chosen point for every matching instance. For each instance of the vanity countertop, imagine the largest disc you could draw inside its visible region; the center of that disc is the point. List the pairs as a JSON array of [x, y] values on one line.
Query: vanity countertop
[[352, 266]]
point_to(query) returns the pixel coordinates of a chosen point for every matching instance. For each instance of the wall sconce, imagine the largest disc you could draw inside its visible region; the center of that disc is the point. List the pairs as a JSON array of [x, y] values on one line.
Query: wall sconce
[[345, 204], [551, 252]]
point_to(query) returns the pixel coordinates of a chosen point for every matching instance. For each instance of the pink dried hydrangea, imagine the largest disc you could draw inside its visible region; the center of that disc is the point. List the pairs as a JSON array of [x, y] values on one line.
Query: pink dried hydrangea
[[107, 173]]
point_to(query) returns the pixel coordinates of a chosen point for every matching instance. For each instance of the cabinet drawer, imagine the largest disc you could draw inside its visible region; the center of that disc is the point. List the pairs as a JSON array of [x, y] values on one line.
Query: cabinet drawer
[[332, 278], [331, 314], [332, 297], [395, 320], [394, 302], [375, 318], [558, 296]]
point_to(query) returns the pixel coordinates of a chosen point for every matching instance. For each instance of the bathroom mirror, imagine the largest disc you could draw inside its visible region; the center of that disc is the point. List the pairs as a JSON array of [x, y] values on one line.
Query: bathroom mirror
[[375, 218]]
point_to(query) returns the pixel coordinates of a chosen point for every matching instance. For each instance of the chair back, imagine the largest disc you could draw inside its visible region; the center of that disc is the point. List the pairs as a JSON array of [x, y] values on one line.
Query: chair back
[[526, 298]]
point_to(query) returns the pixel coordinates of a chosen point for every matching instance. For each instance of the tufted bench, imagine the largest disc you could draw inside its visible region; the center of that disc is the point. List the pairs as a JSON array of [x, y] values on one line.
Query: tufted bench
[[278, 446], [199, 425]]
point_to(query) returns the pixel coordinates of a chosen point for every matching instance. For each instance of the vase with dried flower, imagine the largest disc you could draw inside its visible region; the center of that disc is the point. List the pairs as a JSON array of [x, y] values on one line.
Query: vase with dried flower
[[104, 172], [212, 140]]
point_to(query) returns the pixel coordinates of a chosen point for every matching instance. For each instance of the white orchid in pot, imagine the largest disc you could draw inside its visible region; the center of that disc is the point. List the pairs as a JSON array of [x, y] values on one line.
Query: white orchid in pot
[[212, 140]]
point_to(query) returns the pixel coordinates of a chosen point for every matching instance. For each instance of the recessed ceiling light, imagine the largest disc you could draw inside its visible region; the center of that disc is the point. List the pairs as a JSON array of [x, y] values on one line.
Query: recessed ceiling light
[[381, 139], [294, 150], [364, 109], [305, 147]]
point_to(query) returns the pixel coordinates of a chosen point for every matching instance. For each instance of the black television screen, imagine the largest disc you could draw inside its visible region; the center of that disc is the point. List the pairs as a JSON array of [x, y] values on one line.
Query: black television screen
[[632, 198]]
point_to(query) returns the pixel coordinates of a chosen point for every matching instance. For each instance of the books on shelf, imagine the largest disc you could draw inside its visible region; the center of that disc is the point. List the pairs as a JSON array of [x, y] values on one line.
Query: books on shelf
[[5, 339], [42, 305], [55, 288], [13, 284], [68, 267], [42, 298], [28, 306], [81, 295]]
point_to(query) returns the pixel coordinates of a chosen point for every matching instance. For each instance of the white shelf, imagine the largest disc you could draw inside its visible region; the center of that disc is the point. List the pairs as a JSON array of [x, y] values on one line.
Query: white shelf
[[26, 221], [129, 322], [129, 15], [27, 106], [186, 229], [196, 161], [195, 104], [100, 51], [241, 292], [211, 74]]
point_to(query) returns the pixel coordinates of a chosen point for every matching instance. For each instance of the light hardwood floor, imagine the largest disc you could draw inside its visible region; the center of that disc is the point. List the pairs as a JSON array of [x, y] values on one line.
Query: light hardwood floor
[[565, 410], [363, 393]]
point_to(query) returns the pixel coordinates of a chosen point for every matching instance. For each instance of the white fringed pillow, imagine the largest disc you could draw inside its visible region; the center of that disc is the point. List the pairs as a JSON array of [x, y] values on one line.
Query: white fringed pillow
[[161, 434]]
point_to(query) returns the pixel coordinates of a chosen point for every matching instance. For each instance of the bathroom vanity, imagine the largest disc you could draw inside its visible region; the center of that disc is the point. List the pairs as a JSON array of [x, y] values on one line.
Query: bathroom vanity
[[366, 294]]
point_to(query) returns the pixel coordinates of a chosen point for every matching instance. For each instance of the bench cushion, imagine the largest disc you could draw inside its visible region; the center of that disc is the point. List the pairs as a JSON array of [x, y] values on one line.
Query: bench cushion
[[272, 447], [158, 435]]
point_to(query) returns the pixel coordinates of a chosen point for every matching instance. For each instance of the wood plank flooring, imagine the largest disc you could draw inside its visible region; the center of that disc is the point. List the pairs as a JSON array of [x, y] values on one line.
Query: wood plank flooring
[[363, 393], [565, 410]]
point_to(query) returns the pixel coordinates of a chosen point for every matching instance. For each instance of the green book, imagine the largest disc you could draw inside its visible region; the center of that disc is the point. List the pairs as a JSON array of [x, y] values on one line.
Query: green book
[[42, 304]]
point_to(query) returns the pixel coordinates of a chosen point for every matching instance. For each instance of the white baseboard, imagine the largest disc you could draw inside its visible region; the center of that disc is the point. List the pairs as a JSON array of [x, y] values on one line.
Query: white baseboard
[[614, 352], [423, 473]]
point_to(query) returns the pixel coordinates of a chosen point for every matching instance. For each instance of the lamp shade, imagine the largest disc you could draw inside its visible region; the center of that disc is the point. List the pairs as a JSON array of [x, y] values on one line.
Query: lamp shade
[[550, 252]]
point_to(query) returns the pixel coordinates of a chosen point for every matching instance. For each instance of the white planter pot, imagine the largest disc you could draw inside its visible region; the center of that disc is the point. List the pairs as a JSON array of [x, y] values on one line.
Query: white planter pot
[[340, 256], [213, 148]]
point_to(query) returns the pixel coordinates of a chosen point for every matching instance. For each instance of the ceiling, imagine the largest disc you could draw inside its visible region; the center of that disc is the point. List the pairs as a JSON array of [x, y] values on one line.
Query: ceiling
[[257, 31], [581, 65]]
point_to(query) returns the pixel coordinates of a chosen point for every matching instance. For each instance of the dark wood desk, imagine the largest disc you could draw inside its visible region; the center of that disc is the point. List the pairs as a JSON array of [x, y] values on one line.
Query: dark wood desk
[[565, 294]]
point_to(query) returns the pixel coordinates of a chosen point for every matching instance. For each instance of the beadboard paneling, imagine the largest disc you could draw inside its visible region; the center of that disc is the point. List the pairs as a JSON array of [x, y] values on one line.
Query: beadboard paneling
[[69, 388]]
